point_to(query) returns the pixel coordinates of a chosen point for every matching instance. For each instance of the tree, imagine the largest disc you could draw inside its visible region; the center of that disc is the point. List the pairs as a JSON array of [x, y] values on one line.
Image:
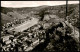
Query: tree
[[42, 13]]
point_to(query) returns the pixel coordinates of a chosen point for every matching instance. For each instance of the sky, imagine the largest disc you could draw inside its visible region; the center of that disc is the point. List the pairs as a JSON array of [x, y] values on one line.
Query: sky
[[18, 4]]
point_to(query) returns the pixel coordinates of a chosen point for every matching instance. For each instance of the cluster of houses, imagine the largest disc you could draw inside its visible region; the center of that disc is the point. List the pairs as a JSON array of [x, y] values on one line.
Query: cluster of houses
[[25, 39]]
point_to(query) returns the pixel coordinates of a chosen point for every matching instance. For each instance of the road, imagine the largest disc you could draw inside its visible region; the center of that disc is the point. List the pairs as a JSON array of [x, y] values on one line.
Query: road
[[75, 31]]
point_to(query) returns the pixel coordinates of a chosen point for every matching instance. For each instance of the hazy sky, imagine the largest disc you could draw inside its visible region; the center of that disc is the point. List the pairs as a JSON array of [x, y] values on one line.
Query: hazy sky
[[33, 3]]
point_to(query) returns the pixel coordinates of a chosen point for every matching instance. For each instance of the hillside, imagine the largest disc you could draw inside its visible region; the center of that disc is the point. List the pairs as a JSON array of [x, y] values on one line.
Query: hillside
[[5, 18], [73, 10]]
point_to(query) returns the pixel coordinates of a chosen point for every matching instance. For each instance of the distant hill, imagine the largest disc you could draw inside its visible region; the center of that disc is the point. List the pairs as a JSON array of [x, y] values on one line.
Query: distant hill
[[6, 10], [37, 9], [55, 10]]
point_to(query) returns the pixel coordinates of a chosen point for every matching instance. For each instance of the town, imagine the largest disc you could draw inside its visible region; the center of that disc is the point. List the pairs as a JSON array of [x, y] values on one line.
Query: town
[[39, 31]]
